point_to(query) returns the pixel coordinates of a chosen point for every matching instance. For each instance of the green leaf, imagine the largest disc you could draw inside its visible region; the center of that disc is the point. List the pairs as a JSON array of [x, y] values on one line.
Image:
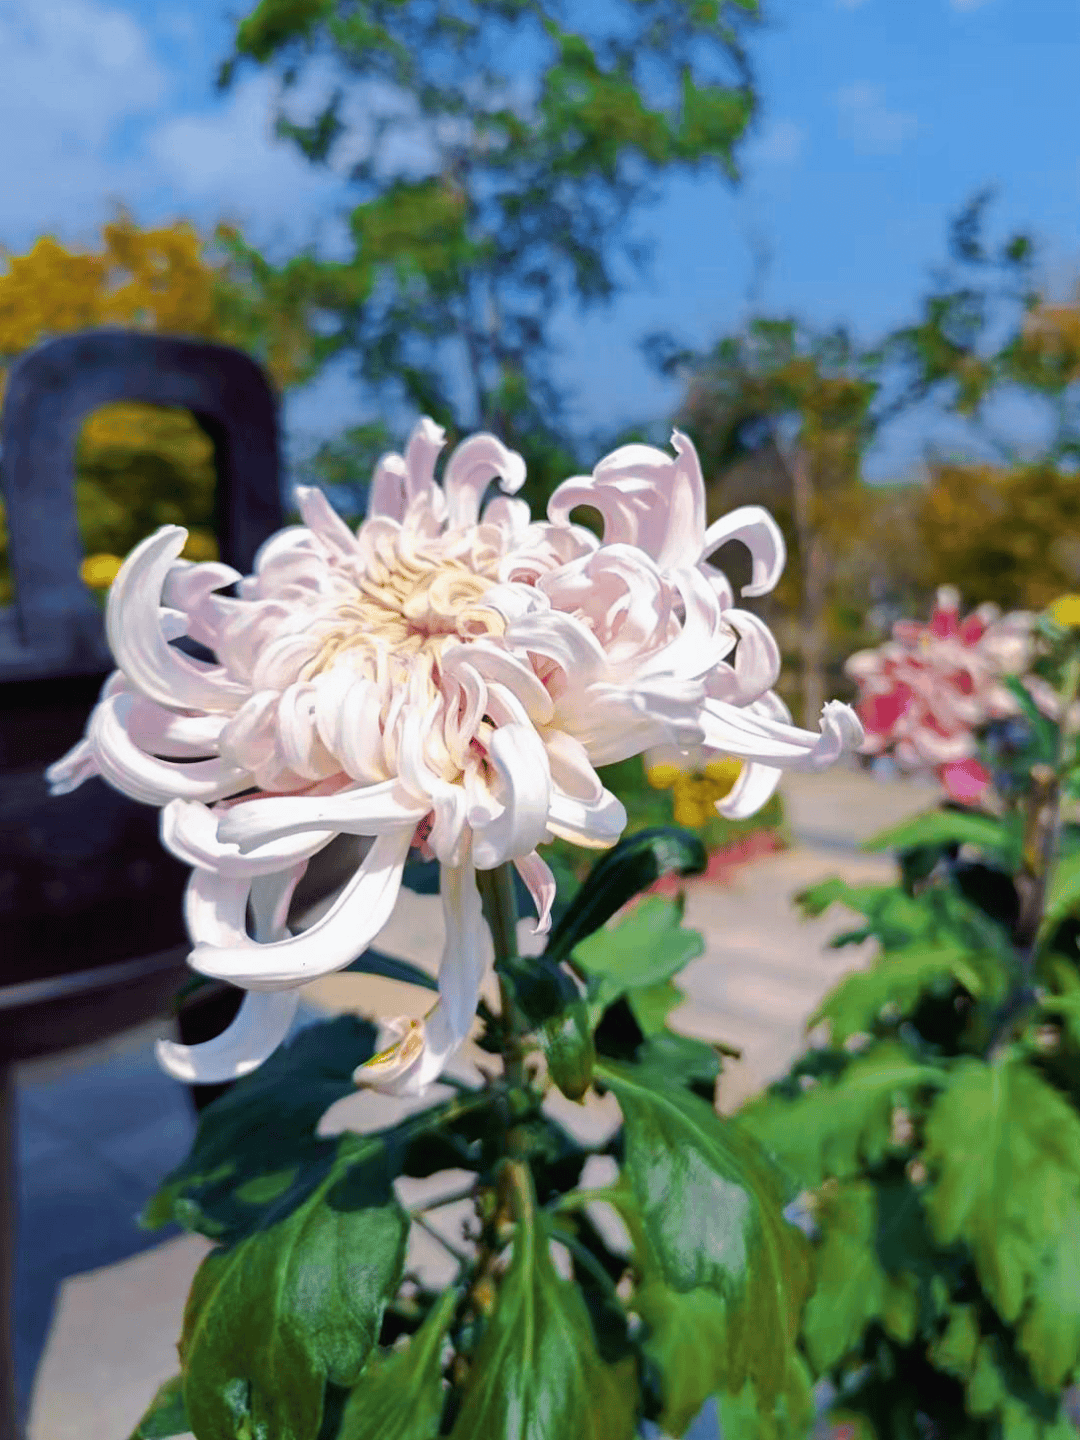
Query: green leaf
[[645, 949], [997, 839], [294, 1304], [165, 1415], [400, 1395], [851, 1287], [536, 1373], [263, 1126], [623, 872], [899, 978], [374, 962], [1045, 730], [687, 1340], [667, 1058], [895, 918], [1062, 894], [844, 1122], [743, 1417], [1004, 1149], [710, 1210]]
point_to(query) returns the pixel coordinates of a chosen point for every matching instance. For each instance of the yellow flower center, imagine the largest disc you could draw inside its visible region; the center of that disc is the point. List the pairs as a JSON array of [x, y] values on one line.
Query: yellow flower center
[[409, 610]]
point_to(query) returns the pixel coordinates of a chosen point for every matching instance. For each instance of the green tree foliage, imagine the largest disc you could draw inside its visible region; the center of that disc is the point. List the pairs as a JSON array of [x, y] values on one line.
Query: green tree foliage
[[303, 1322], [781, 415], [498, 153], [138, 466], [936, 1136]]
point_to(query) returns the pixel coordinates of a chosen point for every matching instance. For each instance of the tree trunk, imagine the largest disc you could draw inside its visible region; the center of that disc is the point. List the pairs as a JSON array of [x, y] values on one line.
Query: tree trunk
[[814, 574]]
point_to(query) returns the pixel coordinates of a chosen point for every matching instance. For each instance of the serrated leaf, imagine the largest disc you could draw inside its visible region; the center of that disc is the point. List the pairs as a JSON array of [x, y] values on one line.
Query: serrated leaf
[[899, 978], [743, 1417], [895, 918], [623, 872], [1004, 1147], [956, 1349], [536, 1373], [165, 1415], [710, 1209], [400, 1395], [997, 839], [844, 1121], [669, 1059], [849, 1282], [646, 948], [263, 1126], [292, 1305]]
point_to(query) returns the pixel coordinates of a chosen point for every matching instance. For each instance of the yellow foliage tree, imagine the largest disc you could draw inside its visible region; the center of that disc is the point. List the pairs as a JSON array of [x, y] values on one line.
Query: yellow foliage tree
[[139, 466]]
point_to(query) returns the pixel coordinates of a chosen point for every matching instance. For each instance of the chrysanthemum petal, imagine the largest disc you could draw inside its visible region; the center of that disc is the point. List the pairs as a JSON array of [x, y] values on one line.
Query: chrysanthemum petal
[[260, 1025], [753, 789], [422, 1053], [470, 470], [347, 928], [523, 798], [749, 733], [536, 873], [596, 827], [152, 781], [759, 532], [189, 831], [141, 651], [370, 810]]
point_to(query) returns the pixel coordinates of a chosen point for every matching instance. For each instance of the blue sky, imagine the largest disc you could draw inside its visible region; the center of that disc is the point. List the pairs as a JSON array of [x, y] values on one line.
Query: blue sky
[[879, 119]]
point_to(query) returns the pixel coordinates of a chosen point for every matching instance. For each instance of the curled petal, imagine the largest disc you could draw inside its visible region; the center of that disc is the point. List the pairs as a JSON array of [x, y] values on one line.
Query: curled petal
[[163, 733], [755, 528], [596, 826], [425, 444], [371, 810], [189, 830], [215, 908], [69, 772], [519, 819], [347, 928], [269, 902], [261, 1024], [537, 875], [322, 520], [646, 498], [386, 496], [151, 781], [471, 469], [141, 650], [190, 589], [753, 789], [419, 1057], [751, 733]]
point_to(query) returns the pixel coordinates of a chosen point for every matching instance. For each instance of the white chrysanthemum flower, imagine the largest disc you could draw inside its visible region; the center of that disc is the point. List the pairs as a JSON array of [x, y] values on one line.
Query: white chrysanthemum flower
[[442, 678]]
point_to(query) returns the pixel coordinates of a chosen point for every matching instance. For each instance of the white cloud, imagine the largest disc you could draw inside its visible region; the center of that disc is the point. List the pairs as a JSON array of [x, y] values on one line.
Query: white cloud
[[226, 161], [781, 143], [72, 72], [872, 127]]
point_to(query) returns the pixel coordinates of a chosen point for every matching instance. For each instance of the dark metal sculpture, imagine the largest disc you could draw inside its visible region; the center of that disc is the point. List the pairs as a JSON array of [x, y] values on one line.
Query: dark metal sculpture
[[90, 911]]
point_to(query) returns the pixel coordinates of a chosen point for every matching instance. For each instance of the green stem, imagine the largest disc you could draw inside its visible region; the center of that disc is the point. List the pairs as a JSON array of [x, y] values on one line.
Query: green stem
[[500, 911], [1041, 831], [578, 1199]]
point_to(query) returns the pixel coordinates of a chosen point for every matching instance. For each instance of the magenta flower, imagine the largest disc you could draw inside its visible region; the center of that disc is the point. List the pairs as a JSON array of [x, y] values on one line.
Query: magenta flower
[[925, 693]]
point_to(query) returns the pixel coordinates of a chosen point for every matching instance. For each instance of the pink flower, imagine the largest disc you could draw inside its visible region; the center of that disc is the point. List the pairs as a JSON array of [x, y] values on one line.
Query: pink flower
[[446, 678], [924, 694]]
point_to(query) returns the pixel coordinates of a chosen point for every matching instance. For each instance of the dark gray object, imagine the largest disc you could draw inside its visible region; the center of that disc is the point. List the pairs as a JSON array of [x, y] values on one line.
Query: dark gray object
[[89, 901]]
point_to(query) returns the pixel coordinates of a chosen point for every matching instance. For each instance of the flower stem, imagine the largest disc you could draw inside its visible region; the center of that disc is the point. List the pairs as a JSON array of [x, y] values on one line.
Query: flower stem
[[1042, 825], [500, 911]]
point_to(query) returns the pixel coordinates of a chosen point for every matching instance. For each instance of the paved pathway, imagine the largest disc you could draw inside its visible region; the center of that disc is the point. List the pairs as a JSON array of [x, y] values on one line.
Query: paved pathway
[[96, 1139]]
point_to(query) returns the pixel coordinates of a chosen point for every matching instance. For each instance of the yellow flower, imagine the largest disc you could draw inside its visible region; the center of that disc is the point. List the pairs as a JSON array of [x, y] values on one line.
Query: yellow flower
[[1065, 611], [663, 777], [723, 774], [99, 571]]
